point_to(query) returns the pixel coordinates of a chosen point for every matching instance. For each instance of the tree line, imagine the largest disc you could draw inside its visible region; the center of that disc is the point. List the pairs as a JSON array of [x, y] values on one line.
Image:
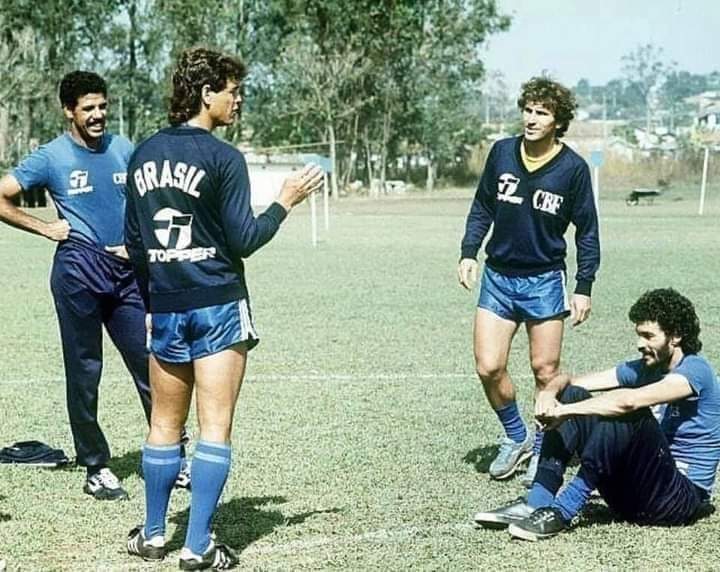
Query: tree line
[[651, 88], [375, 83]]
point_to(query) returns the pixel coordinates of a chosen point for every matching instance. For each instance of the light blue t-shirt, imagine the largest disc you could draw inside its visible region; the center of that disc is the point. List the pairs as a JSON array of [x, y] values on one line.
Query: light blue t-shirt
[[87, 186], [691, 425]]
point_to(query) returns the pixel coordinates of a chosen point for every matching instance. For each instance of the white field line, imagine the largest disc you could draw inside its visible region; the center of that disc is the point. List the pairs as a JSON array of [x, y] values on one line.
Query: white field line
[[381, 535], [292, 377]]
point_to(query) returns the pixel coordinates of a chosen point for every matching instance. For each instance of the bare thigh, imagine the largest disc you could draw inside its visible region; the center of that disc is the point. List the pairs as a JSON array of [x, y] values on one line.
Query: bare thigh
[[545, 346], [171, 386], [492, 337], [218, 378]]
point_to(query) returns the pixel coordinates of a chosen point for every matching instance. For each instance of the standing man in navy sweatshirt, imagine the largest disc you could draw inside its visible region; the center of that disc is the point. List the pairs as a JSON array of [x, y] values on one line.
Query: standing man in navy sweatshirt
[[532, 188], [189, 226]]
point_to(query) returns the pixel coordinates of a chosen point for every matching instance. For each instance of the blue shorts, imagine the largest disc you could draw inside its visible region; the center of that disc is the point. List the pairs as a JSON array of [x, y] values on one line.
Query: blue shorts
[[524, 298], [180, 337]]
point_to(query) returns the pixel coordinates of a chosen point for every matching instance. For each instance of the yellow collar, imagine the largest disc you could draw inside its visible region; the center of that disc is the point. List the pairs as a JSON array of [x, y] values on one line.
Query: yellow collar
[[553, 150]]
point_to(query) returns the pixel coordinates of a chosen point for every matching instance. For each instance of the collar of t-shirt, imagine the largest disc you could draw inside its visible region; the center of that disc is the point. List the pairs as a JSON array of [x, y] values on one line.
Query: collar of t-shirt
[[535, 163]]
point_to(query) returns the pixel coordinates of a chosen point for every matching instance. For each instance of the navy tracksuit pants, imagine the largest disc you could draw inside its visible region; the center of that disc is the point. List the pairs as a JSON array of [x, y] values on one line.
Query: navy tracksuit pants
[[628, 459], [91, 289]]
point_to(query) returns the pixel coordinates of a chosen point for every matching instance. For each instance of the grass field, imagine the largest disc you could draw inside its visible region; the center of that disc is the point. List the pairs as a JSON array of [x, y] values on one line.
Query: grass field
[[362, 439]]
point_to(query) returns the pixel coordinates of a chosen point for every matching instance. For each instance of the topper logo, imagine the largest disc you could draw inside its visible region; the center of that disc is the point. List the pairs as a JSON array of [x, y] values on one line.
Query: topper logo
[[79, 183], [507, 186], [173, 229]]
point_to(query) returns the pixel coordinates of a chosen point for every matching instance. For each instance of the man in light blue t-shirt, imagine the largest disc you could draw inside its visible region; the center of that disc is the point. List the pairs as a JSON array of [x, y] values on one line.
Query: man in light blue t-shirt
[[92, 282], [652, 466]]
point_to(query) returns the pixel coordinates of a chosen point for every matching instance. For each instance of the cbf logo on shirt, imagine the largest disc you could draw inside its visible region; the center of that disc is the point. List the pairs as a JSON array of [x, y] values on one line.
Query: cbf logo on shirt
[[547, 202], [79, 183], [173, 231]]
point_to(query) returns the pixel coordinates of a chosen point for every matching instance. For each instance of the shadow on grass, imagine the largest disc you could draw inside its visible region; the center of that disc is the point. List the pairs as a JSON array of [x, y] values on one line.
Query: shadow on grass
[[4, 517], [481, 457], [242, 521], [596, 513], [127, 464]]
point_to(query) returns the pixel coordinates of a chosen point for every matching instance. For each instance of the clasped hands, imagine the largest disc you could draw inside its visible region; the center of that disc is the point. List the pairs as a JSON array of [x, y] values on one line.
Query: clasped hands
[[549, 412]]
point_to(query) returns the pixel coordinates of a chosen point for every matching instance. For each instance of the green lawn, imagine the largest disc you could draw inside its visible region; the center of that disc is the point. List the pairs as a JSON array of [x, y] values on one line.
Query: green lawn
[[362, 437]]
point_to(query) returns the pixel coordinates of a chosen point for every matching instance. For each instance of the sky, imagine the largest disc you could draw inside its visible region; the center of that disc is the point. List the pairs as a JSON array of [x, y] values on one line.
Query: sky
[[574, 39]]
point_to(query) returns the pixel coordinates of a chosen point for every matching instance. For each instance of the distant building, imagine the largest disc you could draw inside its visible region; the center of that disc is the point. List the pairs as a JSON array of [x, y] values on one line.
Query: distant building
[[267, 171], [708, 110], [659, 139], [596, 134], [710, 118]]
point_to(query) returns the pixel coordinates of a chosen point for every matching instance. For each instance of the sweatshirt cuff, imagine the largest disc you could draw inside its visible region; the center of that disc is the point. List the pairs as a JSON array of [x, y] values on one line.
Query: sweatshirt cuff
[[277, 212], [583, 287], [468, 252]]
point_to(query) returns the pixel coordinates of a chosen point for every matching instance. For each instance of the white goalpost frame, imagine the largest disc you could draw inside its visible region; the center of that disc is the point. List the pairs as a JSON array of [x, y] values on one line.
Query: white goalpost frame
[[314, 209], [703, 184], [313, 219], [596, 187], [326, 202]]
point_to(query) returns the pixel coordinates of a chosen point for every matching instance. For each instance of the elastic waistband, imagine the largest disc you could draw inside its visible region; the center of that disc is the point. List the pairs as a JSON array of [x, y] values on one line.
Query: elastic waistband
[[73, 242], [529, 271], [179, 301]]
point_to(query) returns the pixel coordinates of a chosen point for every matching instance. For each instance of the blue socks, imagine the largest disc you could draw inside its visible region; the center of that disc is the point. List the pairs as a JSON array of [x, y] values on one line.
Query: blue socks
[[570, 501], [574, 496], [512, 422], [161, 465], [539, 495], [547, 483], [208, 472]]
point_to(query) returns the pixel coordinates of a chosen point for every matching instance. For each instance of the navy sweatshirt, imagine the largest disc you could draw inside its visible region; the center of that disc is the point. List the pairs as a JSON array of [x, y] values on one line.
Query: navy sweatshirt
[[188, 222], [530, 213]]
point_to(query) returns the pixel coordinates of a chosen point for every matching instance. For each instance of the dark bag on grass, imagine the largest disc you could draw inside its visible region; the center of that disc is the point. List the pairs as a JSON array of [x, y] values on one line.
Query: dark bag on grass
[[33, 453]]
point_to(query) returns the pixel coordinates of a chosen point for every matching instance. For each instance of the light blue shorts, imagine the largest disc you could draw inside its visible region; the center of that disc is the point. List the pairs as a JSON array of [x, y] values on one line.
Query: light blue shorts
[[524, 298], [181, 337]]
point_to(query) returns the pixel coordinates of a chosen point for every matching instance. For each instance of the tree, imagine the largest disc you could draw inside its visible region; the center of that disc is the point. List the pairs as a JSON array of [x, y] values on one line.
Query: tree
[[450, 75], [39, 45], [678, 86], [407, 50], [319, 89], [387, 77], [645, 71]]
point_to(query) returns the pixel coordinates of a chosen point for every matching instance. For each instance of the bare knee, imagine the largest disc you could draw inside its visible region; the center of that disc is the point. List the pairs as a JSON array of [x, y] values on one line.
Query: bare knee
[[490, 372], [216, 432], [544, 372], [164, 431]]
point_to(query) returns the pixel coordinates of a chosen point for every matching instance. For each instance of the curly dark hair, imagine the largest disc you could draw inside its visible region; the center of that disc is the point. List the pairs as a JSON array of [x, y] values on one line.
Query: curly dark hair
[[197, 67], [76, 84], [673, 312], [556, 97]]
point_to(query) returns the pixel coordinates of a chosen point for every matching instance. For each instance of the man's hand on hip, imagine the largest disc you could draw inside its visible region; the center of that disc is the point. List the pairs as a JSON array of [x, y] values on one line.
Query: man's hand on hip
[[57, 230], [120, 251]]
